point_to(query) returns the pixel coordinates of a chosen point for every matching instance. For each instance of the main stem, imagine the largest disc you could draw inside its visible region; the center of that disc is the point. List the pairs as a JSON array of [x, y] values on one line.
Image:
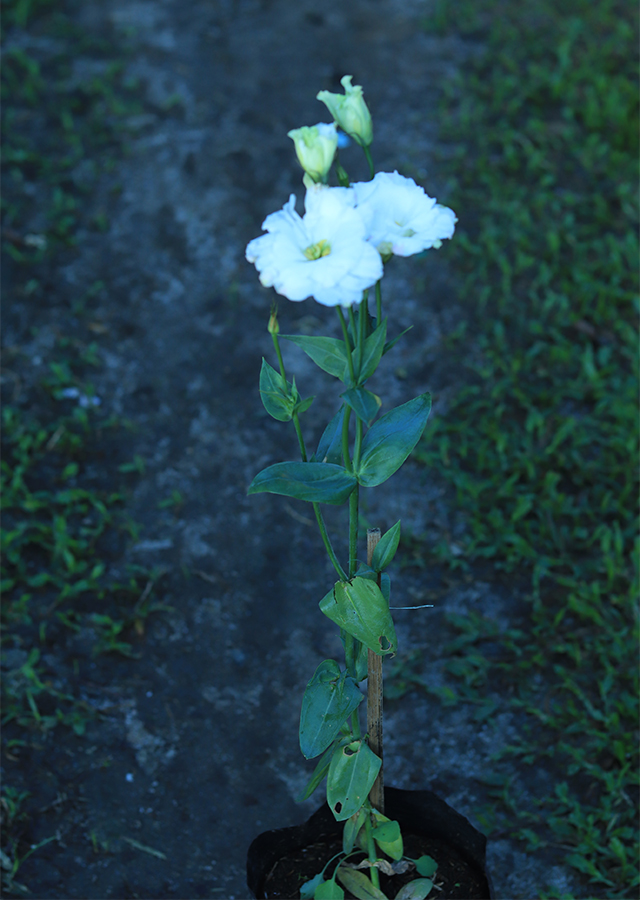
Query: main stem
[[374, 696]]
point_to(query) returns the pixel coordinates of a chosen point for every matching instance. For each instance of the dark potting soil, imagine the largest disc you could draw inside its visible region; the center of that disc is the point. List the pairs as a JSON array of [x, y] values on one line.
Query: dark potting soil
[[455, 879]]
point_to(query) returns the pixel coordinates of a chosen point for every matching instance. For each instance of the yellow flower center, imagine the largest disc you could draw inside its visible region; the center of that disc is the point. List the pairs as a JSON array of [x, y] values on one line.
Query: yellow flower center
[[316, 251]]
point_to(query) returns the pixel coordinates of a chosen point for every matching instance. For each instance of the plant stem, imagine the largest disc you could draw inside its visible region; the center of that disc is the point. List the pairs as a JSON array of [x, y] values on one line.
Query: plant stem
[[276, 344], [367, 153], [347, 342], [371, 851], [378, 304], [296, 425], [353, 530], [327, 543], [374, 696]]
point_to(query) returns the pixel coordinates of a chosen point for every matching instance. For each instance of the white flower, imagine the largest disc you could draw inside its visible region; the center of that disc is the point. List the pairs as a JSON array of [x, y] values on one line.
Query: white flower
[[324, 255], [402, 219]]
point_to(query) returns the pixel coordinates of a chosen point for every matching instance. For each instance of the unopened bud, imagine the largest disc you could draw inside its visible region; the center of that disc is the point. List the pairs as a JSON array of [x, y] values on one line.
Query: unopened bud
[[315, 149], [350, 111], [273, 327]]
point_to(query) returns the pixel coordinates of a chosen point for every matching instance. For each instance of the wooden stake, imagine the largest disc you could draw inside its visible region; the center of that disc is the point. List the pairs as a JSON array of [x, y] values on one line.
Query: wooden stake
[[374, 696]]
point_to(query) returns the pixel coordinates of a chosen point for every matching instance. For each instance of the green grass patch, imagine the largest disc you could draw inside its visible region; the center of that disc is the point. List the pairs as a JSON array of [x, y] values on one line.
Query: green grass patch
[[540, 447]]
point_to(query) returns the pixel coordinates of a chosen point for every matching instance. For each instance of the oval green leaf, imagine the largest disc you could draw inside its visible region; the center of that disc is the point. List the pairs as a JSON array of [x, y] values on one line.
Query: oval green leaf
[[329, 699], [391, 439], [352, 772], [358, 606], [314, 482], [327, 353], [418, 889]]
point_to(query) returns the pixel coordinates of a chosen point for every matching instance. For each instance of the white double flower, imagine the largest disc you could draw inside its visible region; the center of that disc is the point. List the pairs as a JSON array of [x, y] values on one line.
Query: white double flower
[[336, 251]]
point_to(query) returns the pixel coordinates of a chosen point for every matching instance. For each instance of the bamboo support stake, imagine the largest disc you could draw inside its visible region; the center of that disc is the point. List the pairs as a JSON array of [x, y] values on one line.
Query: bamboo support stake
[[374, 696]]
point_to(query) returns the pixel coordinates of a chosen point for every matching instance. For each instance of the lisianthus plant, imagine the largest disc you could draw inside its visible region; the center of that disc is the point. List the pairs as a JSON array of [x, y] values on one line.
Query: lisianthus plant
[[336, 253]]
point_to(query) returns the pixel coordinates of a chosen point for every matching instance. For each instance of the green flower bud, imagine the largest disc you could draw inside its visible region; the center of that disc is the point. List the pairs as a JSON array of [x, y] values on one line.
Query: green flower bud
[[315, 149], [350, 111], [273, 327]]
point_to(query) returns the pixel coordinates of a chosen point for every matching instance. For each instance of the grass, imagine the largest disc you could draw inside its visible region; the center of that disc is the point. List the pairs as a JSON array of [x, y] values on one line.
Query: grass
[[540, 447], [63, 491]]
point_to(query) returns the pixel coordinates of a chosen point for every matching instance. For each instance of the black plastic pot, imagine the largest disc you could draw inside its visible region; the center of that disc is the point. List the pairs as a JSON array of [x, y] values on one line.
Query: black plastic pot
[[420, 813]]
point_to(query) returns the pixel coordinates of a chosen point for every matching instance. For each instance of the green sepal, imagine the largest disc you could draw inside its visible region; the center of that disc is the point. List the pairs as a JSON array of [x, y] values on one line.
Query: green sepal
[[359, 885], [364, 403], [330, 444], [279, 397], [391, 439], [359, 607], [327, 353], [353, 769], [386, 548], [314, 482], [329, 699]]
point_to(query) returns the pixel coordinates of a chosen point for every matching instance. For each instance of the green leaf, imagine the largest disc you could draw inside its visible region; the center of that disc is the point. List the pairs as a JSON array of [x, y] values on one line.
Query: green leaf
[[308, 889], [356, 656], [330, 444], [329, 699], [352, 772], [390, 344], [351, 829], [386, 548], [278, 396], [418, 889], [359, 885], [327, 353], [387, 836], [315, 482], [359, 607], [373, 350], [391, 439], [303, 405], [365, 404], [318, 773], [328, 890], [426, 866]]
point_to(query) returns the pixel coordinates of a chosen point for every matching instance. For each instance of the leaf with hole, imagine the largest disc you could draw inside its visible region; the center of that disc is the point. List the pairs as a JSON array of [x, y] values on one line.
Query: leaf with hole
[[314, 482], [329, 699], [352, 772], [391, 439], [358, 606]]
